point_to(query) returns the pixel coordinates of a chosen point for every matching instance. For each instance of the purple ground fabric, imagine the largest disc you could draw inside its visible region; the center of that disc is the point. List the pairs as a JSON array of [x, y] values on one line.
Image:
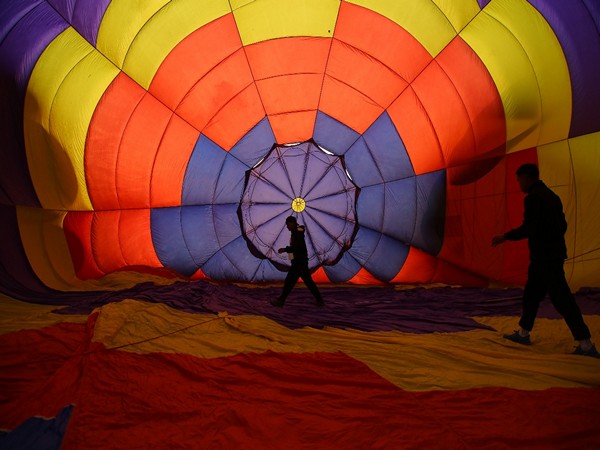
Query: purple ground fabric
[[416, 310]]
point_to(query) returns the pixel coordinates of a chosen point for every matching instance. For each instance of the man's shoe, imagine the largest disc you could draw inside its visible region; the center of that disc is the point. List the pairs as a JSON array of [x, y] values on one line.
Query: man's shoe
[[516, 337], [320, 303], [590, 352], [278, 303]]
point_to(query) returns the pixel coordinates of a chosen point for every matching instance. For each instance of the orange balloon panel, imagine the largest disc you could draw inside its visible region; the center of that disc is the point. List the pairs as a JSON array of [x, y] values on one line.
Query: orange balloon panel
[[129, 230], [383, 39], [369, 76], [171, 161], [418, 135], [290, 93], [78, 232], [294, 126], [236, 118], [108, 125], [215, 90], [290, 55], [480, 98], [137, 151], [193, 58], [343, 102]]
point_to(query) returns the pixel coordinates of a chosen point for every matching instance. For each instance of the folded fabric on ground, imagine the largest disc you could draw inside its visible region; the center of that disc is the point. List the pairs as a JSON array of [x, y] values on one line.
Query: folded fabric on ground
[[135, 374]]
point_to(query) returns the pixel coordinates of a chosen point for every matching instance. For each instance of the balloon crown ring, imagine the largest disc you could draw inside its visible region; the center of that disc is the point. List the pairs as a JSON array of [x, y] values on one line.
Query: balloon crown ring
[[298, 204], [310, 180]]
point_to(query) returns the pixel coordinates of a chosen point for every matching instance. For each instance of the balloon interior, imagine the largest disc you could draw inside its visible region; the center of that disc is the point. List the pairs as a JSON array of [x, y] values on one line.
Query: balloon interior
[[152, 151]]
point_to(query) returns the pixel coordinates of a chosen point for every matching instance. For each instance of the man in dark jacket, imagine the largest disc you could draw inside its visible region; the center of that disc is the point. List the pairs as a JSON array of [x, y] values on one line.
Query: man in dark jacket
[[299, 258], [544, 227]]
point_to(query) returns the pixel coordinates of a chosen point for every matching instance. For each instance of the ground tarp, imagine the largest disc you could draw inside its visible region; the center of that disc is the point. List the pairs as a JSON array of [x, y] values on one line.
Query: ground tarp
[[375, 368]]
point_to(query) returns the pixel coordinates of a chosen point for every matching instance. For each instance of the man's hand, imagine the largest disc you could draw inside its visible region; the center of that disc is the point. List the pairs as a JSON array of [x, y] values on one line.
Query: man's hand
[[281, 250], [497, 240]]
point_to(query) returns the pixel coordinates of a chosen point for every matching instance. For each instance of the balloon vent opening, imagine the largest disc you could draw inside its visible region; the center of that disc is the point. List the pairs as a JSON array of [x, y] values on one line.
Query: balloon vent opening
[[298, 204], [310, 183]]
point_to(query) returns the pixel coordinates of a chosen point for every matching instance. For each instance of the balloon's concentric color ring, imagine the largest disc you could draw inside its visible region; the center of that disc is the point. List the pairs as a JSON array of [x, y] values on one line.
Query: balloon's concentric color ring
[[133, 129]]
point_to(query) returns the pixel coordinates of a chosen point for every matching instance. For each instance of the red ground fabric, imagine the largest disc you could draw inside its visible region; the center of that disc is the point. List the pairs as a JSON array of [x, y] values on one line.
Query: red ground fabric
[[269, 400]]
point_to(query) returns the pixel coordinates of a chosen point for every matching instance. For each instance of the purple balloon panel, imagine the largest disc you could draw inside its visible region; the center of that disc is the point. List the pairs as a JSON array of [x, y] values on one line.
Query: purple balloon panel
[[327, 207]]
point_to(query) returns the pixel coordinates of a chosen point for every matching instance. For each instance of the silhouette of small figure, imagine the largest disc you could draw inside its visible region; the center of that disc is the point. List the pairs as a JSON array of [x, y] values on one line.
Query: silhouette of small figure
[[544, 227], [299, 259]]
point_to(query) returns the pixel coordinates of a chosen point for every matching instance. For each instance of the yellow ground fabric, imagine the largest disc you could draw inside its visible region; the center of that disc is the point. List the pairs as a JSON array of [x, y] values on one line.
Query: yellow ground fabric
[[415, 362], [16, 315]]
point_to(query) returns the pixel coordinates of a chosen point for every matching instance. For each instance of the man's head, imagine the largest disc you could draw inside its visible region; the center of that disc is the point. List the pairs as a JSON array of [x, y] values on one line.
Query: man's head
[[527, 174], [291, 223]]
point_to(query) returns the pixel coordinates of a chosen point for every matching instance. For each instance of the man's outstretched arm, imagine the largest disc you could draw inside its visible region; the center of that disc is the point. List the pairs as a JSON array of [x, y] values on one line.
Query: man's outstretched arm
[[531, 217]]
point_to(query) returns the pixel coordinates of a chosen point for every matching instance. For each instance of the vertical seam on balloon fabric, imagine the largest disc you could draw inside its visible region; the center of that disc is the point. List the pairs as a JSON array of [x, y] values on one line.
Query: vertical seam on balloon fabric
[[47, 133], [462, 102], [185, 242], [133, 112], [337, 16], [537, 81], [162, 138], [591, 16], [262, 103], [25, 13], [154, 14]]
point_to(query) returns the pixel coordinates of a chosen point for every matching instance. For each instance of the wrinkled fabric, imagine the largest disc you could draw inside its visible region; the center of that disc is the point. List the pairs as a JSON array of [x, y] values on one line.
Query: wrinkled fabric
[[260, 399], [369, 309]]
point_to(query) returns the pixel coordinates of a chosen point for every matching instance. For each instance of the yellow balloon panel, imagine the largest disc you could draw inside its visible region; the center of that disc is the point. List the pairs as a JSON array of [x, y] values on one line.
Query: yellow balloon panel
[[421, 18], [513, 75], [57, 118], [529, 69], [120, 25], [16, 315], [585, 152], [236, 4], [547, 60], [262, 20], [158, 36], [44, 242], [458, 13]]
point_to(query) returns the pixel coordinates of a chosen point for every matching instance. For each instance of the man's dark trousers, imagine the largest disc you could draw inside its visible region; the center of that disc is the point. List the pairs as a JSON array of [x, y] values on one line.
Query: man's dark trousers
[[299, 269], [548, 277]]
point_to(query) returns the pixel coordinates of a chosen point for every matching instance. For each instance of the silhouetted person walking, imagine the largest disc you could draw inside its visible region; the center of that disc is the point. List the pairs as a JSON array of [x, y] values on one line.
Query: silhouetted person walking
[[299, 258], [544, 227]]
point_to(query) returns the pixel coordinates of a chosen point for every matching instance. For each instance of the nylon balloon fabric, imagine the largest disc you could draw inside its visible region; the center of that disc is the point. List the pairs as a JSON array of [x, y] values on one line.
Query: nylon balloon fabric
[[137, 374], [133, 134], [151, 153]]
